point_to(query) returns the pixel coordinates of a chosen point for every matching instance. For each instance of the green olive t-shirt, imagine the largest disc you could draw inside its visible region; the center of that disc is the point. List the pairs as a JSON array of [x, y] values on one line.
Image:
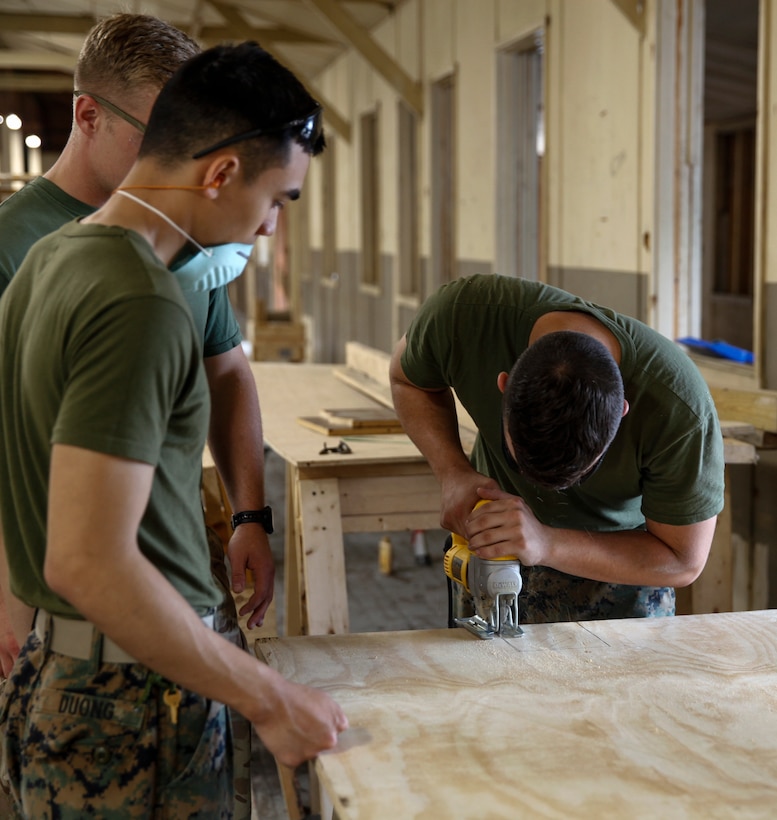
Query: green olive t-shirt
[[98, 349], [666, 462]]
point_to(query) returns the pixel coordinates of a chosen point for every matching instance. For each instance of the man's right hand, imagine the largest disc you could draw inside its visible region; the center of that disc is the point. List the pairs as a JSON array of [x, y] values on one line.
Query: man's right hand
[[302, 723]]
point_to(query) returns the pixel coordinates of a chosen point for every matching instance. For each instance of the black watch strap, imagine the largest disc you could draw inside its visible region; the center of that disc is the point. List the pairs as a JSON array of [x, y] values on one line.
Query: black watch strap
[[263, 517]]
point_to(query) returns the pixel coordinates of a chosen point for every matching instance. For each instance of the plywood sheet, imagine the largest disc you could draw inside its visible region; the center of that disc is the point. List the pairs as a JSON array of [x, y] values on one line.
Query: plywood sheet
[[671, 717]]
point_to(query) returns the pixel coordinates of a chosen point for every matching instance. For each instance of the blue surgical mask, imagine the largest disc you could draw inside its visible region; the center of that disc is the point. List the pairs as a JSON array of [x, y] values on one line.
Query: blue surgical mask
[[203, 272]]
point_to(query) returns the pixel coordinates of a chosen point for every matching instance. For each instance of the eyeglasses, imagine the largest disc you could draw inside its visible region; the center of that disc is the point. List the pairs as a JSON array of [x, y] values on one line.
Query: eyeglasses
[[309, 129], [115, 110]]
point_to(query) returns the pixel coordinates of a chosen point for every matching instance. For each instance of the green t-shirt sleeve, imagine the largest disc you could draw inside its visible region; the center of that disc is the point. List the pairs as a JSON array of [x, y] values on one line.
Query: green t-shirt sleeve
[[684, 482], [222, 331], [124, 373], [429, 341]]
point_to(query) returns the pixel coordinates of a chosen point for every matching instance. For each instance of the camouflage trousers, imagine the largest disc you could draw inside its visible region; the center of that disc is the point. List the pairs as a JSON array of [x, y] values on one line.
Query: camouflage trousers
[[82, 738], [549, 596]]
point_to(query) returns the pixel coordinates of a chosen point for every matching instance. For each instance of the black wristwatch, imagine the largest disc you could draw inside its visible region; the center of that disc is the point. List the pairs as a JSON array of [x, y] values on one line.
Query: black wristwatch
[[263, 517]]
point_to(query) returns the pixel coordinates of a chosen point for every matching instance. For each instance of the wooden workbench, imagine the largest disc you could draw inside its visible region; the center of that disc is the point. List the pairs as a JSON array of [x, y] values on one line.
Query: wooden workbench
[[384, 484], [673, 717]]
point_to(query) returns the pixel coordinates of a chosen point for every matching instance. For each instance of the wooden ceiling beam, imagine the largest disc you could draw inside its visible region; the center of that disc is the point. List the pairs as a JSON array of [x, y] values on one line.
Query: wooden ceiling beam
[[81, 24], [37, 60], [51, 23], [362, 41], [38, 81], [236, 21], [263, 35]]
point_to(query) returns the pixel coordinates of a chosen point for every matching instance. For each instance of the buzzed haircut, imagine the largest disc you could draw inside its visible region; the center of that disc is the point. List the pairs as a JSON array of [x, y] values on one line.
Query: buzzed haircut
[[562, 406], [127, 51]]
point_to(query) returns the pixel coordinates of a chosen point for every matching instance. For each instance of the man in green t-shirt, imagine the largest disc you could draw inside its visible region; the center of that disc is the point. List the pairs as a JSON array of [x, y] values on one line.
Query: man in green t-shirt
[[125, 60], [598, 444], [114, 705]]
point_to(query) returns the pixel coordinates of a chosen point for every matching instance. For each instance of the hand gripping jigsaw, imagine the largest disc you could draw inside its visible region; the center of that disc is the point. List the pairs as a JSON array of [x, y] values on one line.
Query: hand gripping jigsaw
[[494, 584]]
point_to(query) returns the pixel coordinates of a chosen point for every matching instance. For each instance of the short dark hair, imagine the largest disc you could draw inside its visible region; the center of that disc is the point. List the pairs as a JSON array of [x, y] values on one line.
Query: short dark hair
[[229, 90], [562, 406]]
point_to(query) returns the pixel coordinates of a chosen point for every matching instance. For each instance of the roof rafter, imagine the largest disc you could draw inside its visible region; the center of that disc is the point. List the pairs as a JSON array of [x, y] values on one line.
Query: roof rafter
[[240, 25], [409, 89]]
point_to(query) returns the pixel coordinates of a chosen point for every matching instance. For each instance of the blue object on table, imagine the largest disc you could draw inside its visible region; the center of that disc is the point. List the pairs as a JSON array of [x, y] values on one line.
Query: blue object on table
[[718, 348]]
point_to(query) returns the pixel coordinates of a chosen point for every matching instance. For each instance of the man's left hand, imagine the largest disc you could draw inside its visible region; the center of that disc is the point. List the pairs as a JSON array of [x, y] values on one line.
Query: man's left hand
[[507, 526], [249, 548]]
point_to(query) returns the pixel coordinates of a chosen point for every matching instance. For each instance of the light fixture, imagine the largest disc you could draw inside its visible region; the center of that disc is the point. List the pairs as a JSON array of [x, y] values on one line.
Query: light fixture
[[32, 141], [14, 122]]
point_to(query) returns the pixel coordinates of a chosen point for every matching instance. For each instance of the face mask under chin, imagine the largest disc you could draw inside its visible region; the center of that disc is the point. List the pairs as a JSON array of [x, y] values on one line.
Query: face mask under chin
[[203, 272]]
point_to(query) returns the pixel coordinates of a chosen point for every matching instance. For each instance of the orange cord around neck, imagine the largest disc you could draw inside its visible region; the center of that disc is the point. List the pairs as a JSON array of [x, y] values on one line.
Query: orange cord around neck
[[215, 184]]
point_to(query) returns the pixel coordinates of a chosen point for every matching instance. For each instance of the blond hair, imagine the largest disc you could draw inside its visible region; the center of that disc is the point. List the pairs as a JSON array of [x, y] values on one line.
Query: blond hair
[[125, 52]]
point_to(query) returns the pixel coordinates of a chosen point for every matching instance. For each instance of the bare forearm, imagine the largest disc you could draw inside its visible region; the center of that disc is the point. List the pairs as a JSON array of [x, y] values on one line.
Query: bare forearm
[[663, 555], [632, 557], [429, 419], [235, 433]]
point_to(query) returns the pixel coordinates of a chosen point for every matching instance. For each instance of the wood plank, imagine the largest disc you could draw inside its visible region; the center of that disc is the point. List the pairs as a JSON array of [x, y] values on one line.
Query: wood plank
[[609, 719], [756, 407], [327, 427], [358, 417], [738, 452], [365, 44], [365, 384], [368, 360], [712, 591], [321, 534], [406, 494]]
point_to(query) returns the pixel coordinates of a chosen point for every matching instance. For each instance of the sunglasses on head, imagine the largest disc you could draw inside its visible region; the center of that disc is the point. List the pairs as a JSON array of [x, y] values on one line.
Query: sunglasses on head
[[309, 129]]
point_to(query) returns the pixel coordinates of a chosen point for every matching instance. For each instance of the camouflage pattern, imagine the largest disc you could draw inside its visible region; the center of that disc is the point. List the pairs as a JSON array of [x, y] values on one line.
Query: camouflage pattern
[[549, 596], [85, 739], [226, 623]]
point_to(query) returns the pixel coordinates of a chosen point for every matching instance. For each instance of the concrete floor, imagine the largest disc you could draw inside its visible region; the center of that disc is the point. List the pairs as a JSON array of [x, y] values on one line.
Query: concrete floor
[[413, 596]]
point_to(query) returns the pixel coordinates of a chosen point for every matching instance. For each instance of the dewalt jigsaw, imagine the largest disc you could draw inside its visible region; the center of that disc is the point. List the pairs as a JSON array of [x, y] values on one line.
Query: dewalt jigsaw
[[493, 583]]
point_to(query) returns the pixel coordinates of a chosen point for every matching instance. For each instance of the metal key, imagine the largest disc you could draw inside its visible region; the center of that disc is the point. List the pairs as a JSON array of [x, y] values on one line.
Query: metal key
[[172, 699]]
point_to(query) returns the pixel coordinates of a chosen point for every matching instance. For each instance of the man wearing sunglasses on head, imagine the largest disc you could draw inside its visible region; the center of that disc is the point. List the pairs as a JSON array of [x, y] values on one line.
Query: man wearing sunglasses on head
[[114, 706], [598, 445]]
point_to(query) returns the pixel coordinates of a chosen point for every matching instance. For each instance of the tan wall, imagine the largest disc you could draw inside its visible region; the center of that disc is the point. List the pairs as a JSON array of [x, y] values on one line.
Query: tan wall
[[598, 207], [594, 138]]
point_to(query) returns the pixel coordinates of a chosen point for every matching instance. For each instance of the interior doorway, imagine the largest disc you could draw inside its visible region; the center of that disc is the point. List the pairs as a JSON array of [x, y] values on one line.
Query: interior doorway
[[729, 176], [520, 150]]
